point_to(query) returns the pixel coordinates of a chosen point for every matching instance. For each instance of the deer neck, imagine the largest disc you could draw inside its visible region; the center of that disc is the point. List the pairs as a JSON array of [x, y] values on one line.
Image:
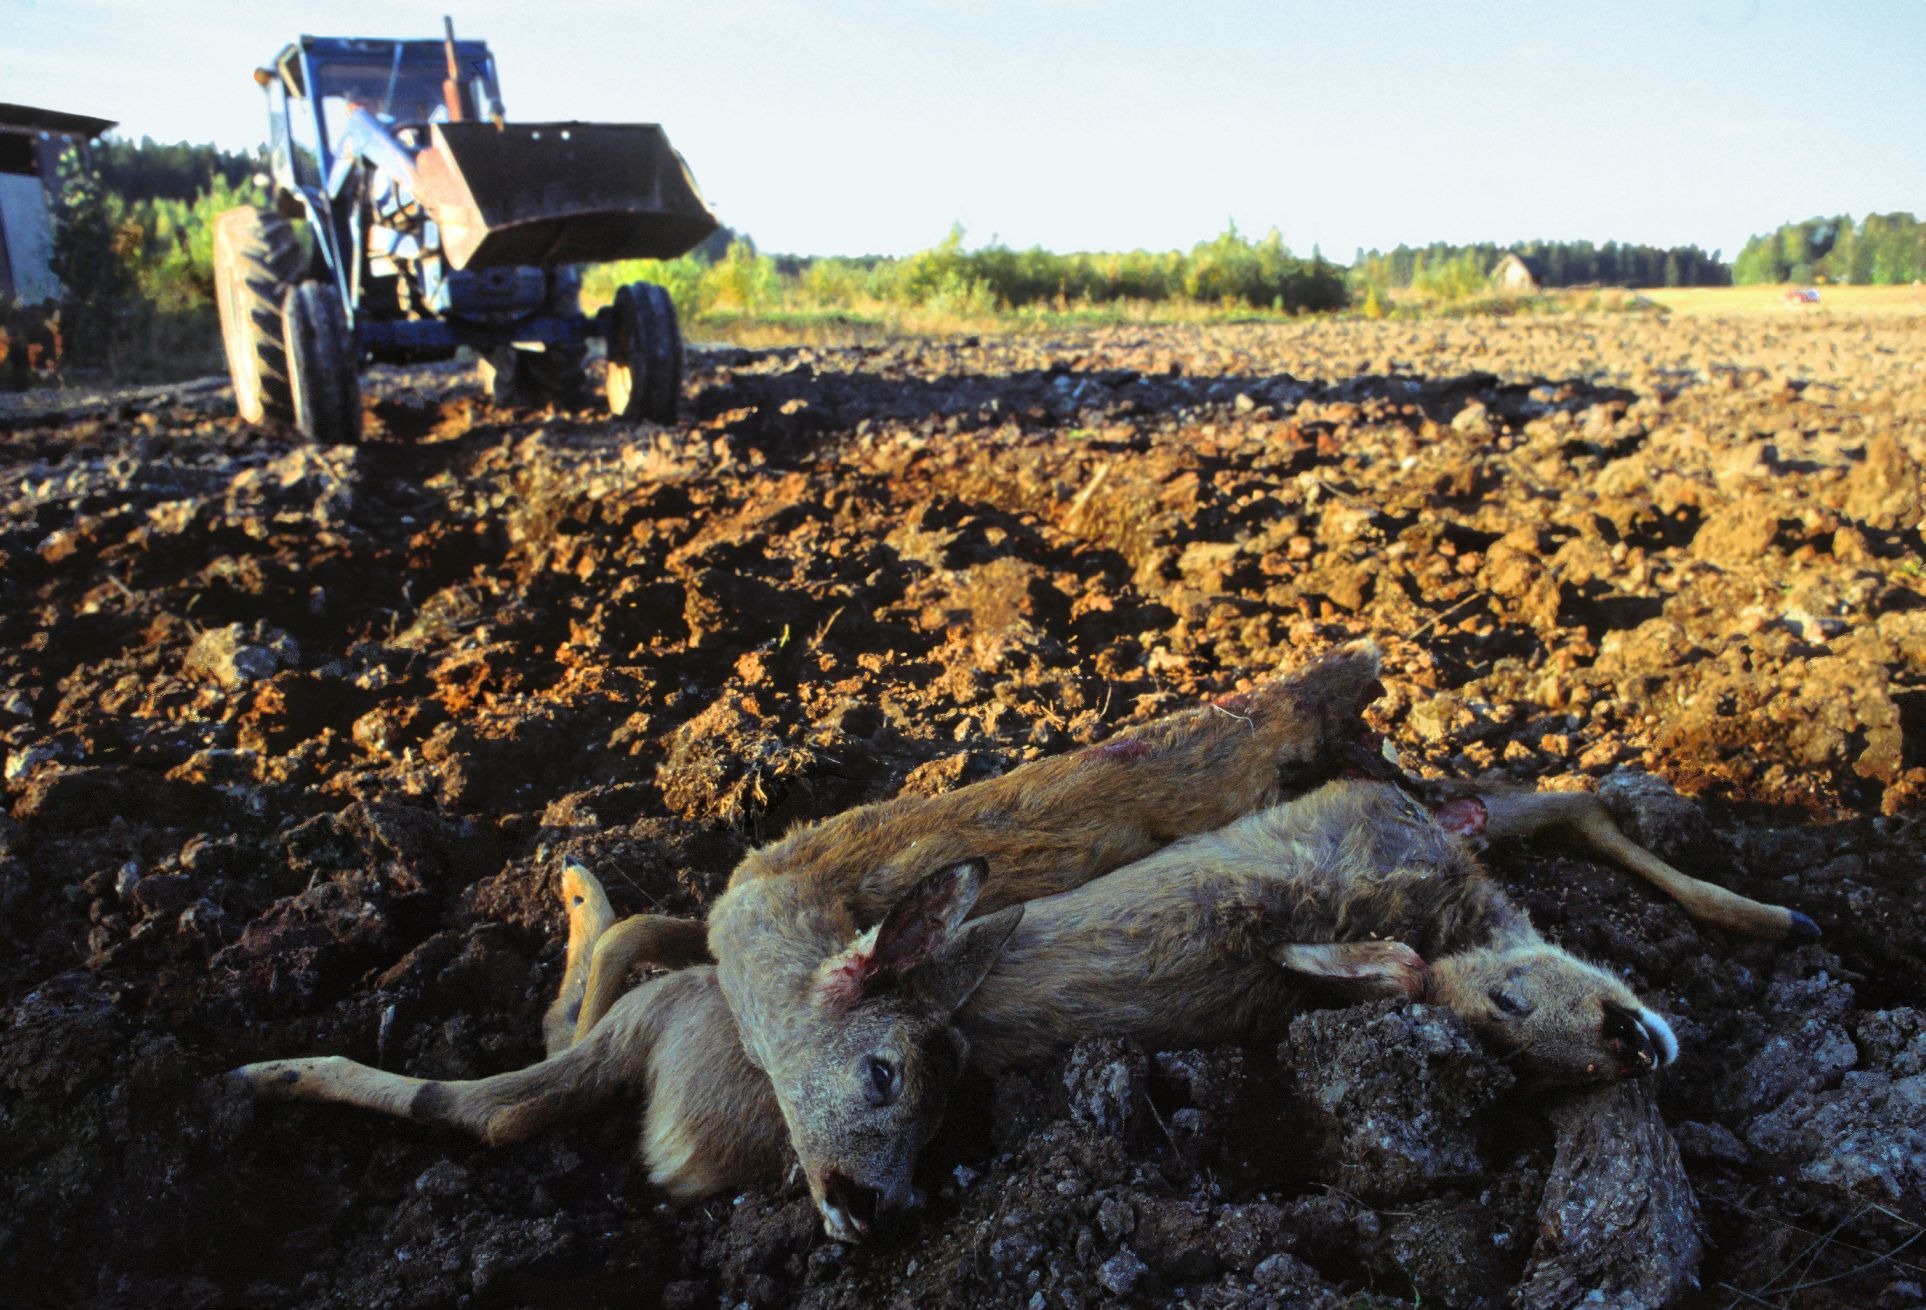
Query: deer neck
[[770, 938]]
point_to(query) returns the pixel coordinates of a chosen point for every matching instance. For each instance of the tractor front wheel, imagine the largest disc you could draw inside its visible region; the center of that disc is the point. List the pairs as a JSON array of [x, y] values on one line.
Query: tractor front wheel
[[257, 257], [323, 368], [645, 354]]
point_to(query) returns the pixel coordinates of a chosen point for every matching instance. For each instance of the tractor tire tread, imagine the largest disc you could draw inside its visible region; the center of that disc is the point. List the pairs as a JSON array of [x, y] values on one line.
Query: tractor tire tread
[[259, 255], [647, 340], [323, 368]]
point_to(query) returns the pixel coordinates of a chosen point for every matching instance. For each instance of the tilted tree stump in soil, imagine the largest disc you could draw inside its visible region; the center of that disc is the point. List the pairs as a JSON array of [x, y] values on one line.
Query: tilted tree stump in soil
[[1618, 1220]]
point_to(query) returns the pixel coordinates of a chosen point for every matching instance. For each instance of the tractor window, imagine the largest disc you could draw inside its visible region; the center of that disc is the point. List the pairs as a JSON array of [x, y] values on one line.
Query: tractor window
[[399, 92], [303, 144], [413, 102]]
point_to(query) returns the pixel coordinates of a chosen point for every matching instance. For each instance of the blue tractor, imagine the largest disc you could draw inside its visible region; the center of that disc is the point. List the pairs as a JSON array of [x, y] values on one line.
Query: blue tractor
[[433, 223]]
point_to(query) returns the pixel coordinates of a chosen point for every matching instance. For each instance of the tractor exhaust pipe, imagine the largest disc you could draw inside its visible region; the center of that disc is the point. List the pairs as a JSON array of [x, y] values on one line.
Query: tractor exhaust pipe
[[451, 93]]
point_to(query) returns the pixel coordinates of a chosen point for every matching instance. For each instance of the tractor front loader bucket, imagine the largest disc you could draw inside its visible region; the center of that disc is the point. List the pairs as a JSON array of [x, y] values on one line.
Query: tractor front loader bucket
[[558, 193]]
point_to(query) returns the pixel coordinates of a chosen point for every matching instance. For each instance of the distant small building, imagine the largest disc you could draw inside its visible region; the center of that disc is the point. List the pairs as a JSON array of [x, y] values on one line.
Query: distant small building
[[31, 143], [1516, 275]]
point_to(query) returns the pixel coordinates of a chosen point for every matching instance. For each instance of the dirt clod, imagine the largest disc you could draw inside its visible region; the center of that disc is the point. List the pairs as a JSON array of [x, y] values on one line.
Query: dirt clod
[[1391, 1096]]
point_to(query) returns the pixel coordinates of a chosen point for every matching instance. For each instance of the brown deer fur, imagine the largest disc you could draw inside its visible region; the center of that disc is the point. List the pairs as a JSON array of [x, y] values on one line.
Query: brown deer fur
[[1046, 826], [793, 910], [1354, 887]]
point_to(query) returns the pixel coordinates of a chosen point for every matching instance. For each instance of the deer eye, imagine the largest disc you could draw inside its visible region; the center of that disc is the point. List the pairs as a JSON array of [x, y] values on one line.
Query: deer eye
[[881, 1081], [1508, 1003]]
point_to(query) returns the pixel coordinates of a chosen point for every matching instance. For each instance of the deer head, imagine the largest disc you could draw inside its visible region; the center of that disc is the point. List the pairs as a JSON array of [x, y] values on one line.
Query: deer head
[[1556, 1017], [864, 1073]]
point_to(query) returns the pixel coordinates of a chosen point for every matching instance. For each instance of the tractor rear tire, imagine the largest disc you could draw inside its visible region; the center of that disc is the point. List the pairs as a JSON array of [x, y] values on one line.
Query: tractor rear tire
[[645, 355], [257, 257], [323, 367]]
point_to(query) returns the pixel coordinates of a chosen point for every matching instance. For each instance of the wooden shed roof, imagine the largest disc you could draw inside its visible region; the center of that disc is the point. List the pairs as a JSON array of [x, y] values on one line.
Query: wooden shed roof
[[26, 118]]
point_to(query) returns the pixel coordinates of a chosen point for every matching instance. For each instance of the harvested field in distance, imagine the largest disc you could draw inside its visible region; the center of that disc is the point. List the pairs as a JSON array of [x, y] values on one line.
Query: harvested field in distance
[[1834, 301], [295, 740]]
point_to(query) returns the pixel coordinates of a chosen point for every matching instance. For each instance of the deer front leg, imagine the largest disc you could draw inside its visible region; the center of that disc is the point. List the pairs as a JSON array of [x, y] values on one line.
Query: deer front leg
[[1523, 814], [503, 1108], [712, 1121]]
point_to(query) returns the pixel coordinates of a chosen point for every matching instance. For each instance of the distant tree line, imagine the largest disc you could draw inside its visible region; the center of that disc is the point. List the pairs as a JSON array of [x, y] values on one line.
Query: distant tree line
[[133, 250], [1559, 264], [149, 170], [1880, 249], [1229, 271]]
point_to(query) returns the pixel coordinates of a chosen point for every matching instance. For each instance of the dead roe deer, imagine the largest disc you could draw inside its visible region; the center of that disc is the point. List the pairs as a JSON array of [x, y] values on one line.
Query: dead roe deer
[[1355, 885], [804, 918], [800, 934], [1359, 885], [1045, 827]]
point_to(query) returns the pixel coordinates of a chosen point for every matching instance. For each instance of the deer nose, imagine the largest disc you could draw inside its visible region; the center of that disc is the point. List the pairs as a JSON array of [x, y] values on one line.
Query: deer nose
[[1631, 1043]]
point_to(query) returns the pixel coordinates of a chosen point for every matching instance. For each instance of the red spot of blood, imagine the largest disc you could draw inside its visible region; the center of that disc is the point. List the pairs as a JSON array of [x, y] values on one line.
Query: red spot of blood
[[1124, 748], [1464, 817], [842, 982]]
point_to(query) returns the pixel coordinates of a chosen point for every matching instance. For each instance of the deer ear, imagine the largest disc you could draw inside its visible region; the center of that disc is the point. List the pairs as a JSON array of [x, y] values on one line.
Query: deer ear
[[1369, 969], [948, 977], [915, 927]]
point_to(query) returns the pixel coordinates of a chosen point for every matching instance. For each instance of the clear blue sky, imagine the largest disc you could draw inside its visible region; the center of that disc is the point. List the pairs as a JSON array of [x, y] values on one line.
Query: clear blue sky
[[871, 125]]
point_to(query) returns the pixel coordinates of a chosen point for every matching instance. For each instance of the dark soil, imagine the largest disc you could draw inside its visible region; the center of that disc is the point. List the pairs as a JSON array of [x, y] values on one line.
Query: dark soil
[[294, 740]]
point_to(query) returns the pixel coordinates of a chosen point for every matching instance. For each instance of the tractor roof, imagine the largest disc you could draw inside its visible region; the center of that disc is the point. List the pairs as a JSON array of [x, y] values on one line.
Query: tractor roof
[[414, 53]]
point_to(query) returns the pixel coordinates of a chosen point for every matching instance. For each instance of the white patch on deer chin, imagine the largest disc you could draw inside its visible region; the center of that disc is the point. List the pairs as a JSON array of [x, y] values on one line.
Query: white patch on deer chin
[[837, 1225], [1661, 1035], [840, 979]]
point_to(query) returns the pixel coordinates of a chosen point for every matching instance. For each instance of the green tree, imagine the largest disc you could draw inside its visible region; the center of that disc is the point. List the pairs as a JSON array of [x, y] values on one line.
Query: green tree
[[91, 255], [149, 170], [1880, 249], [1795, 252], [1758, 263]]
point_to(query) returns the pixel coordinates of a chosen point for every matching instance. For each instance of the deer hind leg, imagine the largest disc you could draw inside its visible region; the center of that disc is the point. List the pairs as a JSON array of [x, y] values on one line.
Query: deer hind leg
[[503, 1108], [651, 939], [1522, 814], [589, 917], [602, 950]]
